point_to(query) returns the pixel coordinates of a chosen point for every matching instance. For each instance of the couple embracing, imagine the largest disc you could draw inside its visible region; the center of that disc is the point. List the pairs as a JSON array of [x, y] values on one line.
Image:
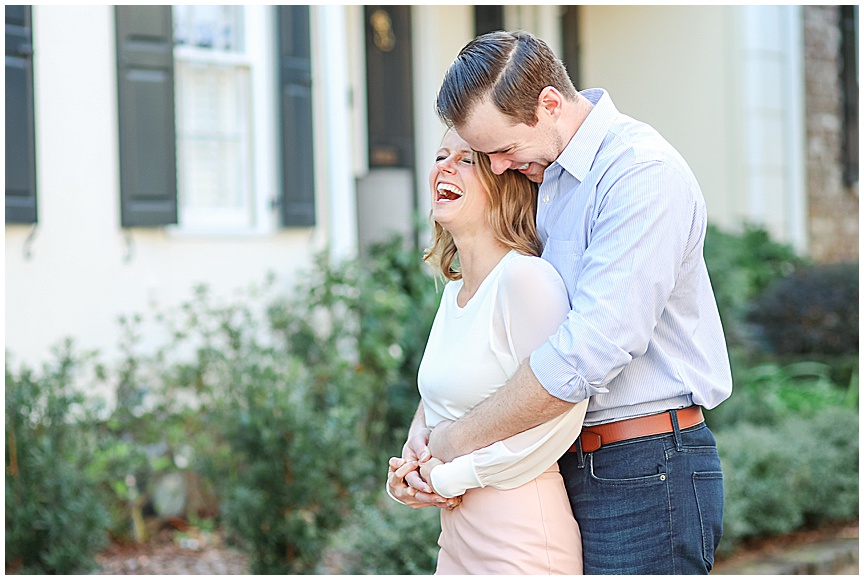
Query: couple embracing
[[560, 428]]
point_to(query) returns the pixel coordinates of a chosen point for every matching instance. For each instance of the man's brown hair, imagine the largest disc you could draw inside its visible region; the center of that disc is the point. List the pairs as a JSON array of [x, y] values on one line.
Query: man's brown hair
[[510, 68]]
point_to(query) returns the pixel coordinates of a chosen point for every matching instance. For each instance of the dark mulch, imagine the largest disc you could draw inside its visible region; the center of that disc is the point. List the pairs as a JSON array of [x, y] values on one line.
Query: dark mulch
[[173, 553]]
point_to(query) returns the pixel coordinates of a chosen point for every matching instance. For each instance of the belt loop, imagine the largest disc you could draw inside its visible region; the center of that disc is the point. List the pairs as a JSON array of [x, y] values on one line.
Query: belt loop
[[676, 430], [580, 457]]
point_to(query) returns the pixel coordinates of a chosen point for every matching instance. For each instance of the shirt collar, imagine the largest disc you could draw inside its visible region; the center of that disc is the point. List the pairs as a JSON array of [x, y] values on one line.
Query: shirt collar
[[578, 157]]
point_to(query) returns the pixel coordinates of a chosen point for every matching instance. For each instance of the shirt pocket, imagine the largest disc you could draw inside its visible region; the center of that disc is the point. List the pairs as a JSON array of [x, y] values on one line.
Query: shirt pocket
[[566, 257]]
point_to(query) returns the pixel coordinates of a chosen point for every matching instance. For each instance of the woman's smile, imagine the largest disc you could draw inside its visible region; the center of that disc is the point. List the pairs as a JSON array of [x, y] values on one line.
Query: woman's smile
[[448, 192]]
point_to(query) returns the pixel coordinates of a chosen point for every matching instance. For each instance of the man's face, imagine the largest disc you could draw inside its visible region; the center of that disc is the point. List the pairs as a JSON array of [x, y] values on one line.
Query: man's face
[[509, 145]]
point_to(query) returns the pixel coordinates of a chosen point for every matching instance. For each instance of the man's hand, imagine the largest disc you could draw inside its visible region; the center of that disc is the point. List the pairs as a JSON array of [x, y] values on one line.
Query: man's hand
[[426, 469], [408, 495], [439, 442]]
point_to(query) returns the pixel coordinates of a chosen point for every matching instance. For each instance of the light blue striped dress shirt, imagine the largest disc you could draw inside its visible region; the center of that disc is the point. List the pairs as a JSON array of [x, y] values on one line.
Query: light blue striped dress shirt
[[623, 221]]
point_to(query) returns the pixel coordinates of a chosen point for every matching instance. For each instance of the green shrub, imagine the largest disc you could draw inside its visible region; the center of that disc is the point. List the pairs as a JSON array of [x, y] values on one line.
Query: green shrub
[[769, 393], [288, 406], [295, 467], [301, 399], [798, 472], [276, 435], [386, 538], [55, 520], [741, 266], [814, 310], [376, 314]]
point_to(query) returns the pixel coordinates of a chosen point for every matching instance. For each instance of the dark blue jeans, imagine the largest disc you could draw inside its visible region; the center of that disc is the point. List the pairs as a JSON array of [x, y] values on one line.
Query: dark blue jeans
[[652, 505]]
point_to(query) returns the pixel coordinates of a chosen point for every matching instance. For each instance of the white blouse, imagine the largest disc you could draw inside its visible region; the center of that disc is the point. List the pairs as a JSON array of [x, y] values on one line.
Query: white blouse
[[472, 351]]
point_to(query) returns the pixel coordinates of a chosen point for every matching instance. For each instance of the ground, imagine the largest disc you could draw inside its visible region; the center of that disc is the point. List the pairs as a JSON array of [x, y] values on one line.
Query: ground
[[209, 556], [172, 553], [831, 549], [195, 552]]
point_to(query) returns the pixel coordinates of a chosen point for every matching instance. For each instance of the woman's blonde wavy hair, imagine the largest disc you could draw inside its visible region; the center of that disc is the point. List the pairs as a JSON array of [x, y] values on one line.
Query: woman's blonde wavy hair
[[512, 212]]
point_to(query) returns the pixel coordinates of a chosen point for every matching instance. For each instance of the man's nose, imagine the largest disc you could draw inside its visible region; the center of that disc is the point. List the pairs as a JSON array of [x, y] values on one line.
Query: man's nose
[[499, 164]]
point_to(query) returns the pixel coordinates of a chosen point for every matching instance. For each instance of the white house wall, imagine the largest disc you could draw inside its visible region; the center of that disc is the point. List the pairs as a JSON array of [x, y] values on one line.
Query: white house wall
[[715, 81], [687, 70], [79, 270], [771, 50], [666, 65]]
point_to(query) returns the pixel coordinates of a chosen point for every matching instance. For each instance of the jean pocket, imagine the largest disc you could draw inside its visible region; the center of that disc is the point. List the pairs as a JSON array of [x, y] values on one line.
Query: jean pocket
[[708, 487], [629, 465]]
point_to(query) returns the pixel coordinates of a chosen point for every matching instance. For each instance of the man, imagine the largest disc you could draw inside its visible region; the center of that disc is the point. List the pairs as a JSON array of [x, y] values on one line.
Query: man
[[623, 221]]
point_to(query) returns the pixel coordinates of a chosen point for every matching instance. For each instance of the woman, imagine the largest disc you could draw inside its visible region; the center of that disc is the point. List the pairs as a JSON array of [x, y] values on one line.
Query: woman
[[501, 303]]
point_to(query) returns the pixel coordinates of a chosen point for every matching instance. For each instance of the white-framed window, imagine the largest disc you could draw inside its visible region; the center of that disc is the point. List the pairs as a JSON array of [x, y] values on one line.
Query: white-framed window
[[217, 71]]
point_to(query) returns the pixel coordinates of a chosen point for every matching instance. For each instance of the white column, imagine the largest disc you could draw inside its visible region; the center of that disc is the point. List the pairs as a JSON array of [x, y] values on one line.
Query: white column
[[438, 34], [331, 35], [796, 156]]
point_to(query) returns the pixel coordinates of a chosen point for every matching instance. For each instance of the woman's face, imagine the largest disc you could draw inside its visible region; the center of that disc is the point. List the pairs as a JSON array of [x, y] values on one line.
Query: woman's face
[[459, 199]]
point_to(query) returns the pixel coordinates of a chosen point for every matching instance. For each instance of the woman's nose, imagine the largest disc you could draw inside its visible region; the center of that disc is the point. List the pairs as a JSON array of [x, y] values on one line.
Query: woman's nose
[[447, 165]]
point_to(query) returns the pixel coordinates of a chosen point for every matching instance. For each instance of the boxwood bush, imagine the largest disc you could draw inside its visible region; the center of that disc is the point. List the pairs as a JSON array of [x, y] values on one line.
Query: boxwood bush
[[799, 472], [55, 519]]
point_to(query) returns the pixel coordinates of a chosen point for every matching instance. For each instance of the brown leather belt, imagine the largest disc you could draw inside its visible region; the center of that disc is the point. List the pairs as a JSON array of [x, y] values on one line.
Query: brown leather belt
[[596, 436]]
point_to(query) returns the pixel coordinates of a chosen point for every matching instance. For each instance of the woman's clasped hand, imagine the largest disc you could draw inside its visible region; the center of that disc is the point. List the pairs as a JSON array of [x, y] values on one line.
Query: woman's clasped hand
[[398, 482]]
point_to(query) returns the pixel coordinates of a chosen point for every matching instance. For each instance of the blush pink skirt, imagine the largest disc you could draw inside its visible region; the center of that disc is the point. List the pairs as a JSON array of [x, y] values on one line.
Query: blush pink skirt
[[527, 530]]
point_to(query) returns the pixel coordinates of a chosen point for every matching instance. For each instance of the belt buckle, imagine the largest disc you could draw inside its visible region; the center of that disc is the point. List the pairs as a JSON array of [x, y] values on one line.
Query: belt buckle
[[590, 441]]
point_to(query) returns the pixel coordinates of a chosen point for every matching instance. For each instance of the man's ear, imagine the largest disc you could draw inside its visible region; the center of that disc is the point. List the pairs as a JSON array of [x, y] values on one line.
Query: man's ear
[[550, 101]]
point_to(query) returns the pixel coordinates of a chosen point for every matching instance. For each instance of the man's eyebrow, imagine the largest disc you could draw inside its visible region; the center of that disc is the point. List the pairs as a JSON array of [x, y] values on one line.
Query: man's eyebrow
[[499, 151]]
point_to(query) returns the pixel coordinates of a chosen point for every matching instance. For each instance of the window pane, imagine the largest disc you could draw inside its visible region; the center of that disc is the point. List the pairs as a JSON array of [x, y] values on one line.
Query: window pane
[[213, 139], [218, 28]]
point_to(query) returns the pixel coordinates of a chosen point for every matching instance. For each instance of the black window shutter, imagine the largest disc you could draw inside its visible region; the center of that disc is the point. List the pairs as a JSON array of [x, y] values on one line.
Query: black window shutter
[[20, 127], [488, 19], [145, 86], [295, 104], [570, 39]]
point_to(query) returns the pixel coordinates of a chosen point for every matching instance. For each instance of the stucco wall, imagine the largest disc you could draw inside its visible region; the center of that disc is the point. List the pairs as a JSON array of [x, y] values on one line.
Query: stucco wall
[[666, 65], [724, 85]]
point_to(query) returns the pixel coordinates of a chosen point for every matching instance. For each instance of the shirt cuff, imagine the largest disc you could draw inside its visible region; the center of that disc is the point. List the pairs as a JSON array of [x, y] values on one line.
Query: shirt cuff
[[556, 376], [456, 477]]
